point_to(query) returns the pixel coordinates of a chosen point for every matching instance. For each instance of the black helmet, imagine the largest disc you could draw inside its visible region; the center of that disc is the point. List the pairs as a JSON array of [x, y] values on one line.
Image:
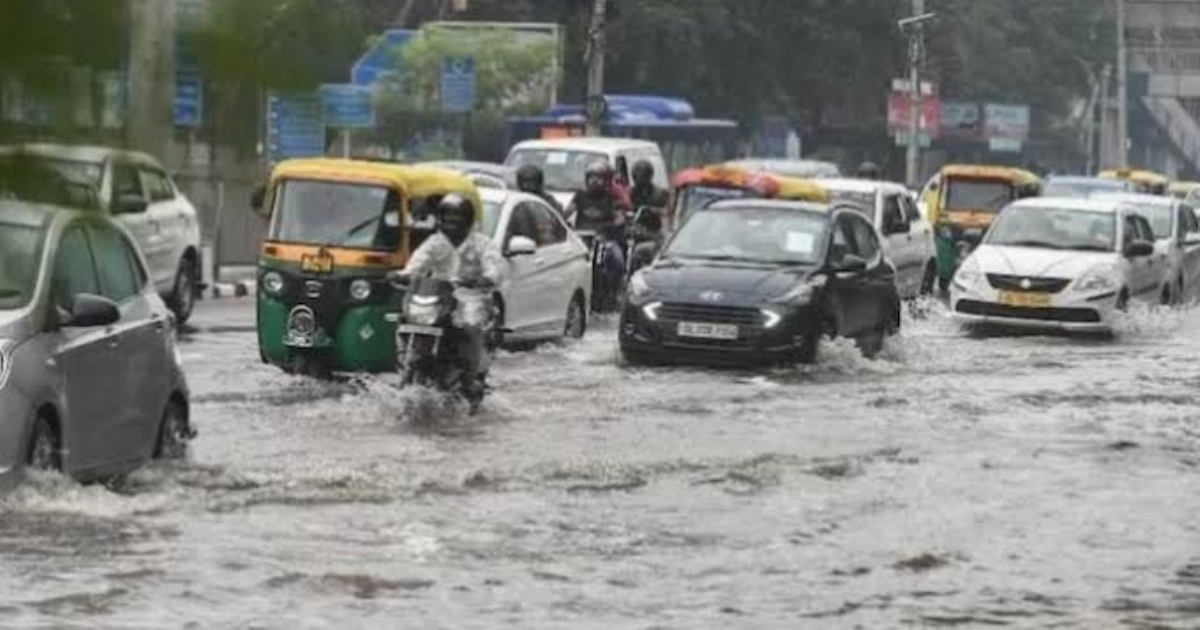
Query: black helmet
[[530, 178], [456, 206], [598, 176], [868, 170], [643, 172]]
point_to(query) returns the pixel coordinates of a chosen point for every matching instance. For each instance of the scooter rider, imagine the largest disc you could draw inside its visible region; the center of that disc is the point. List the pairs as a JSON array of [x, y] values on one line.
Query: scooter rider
[[531, 179], [600, 208], [469, 258], [644, 193]]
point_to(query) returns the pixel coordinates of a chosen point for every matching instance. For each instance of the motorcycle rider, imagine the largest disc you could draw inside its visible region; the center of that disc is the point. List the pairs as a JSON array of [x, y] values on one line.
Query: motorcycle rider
[[868, 170], [601, 208], [469, 258], [648, 227], [531, 179]]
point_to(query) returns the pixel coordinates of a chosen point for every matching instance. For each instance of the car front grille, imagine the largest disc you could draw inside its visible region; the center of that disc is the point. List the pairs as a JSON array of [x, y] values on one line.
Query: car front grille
[[989, 309], [1027, 283], [711, 314]]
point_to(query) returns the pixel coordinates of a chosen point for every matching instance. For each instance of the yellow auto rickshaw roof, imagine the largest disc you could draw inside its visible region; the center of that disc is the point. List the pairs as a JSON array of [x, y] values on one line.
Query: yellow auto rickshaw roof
[[412, 181], [1136, 175], [798, 189], [982, 171]]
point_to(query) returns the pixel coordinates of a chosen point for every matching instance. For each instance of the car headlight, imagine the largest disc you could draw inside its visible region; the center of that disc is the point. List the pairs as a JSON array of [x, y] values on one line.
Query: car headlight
[[968, 274], [6, 348], [651, 310], [638, 286], [360, 289], [422, 314], [272, 282], [1098, 280]]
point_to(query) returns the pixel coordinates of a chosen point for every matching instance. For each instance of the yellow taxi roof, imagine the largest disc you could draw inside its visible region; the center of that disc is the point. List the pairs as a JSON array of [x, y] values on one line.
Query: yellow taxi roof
[[798, 189], [1136, 175], [413, 181], [983, 171]]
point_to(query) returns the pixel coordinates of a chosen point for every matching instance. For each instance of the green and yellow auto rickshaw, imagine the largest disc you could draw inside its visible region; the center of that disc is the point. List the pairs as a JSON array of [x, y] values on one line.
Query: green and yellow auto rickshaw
[[965, 201], [336, 228]]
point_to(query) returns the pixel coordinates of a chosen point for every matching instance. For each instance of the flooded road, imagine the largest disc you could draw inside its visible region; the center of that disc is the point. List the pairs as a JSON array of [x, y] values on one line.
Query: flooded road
[[956, 482]]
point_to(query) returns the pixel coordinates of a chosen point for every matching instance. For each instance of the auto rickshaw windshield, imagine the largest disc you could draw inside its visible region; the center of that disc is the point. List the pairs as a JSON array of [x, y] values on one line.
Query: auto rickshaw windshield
[[980, 195], [336, 214]]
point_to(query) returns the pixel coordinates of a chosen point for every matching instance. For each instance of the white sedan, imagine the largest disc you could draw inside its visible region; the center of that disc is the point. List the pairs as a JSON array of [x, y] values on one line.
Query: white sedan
[[1059, 263], [549, 284], [1178, 241]]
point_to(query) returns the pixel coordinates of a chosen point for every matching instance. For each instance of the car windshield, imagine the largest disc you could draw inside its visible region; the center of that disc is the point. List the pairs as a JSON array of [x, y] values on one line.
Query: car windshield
[[20, 247], [979, 195], [693, 198], [770, 235], [564, 170], [491, 217], [1082, 188], [1055, 228], [336, 214], [41, 180]]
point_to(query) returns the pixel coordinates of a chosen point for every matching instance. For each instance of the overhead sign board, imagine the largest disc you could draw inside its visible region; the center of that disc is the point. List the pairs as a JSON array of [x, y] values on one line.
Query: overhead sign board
[[294, 126], [383, 57], [347, 106], [188, 104]]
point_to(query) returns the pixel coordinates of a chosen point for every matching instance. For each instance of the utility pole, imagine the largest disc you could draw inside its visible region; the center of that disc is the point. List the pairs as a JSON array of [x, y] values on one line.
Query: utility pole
[[1105, 154], [597, 45], [915, 28], [1122, 88], [151, 75]]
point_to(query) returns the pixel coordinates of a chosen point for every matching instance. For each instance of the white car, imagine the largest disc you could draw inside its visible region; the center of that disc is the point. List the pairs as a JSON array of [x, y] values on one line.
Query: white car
[[549, 284], [1059, 263], [906, 236], [564, 160], [136, 190], [1177, 240]]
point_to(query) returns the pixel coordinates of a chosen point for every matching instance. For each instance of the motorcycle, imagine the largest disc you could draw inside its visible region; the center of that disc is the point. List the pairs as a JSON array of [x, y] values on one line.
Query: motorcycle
[[429, 336], [606, 287]]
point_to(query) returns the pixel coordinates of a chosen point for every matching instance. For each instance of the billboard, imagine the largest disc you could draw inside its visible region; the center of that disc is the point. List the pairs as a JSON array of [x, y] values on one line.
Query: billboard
[[962, 120], [1006, 126]]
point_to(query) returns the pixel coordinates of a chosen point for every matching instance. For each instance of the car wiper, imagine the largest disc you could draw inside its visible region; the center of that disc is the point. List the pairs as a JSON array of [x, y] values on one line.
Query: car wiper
[[355, 230], [1091, 248], [1041, 244], [721, 258]]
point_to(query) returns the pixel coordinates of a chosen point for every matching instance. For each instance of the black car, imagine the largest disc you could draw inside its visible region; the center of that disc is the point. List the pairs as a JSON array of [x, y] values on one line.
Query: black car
[[761, 282]]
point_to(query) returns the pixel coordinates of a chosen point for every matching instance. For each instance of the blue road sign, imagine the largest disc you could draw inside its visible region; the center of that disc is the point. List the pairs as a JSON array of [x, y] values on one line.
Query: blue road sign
[[382, 58], [188, 105], [294, 126], [458, 84], [347, 106]]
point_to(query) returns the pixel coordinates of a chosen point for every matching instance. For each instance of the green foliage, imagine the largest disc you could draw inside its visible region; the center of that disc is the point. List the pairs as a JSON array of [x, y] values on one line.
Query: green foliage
[[510, 76], [77, 32]]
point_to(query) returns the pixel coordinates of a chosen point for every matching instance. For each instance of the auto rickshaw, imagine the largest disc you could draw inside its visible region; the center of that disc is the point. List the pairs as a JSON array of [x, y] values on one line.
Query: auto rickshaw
[[336, 227], [967, 199], [1144, 182], [696, 188]]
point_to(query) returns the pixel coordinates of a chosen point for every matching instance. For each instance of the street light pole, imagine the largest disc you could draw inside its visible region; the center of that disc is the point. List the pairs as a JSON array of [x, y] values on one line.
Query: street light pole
[[597, 43], [1122, 88], [915, 105]]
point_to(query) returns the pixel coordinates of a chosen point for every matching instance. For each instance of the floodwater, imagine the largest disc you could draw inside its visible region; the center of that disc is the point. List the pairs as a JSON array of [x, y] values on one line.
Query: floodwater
[[957, 481]]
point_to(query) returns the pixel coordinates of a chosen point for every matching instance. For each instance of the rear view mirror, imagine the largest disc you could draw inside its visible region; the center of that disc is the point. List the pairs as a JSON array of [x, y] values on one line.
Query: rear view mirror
[[521, 246], [90, 311], [1138, 249]]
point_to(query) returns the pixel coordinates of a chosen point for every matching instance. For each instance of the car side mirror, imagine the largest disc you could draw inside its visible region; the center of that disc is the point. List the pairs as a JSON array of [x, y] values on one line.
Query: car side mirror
[[520, 246], [851, 264], [129, 204], [90, 311], [1139, 249]]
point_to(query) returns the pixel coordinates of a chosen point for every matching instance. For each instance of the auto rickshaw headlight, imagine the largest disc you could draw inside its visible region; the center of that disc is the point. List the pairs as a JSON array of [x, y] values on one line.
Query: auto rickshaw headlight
[[360, 289], [272, 282]]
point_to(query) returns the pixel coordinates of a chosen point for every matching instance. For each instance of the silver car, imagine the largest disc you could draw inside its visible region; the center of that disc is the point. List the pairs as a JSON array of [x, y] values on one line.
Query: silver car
[[90, 381]]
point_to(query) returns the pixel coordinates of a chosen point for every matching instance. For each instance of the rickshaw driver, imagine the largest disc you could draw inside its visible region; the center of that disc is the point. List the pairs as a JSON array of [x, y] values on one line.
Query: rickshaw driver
[[469, 258]]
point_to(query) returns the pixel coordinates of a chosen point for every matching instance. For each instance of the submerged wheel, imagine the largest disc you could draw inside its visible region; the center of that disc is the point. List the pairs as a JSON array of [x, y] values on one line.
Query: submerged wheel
[[44, 451], [174, 433], [576, 324]]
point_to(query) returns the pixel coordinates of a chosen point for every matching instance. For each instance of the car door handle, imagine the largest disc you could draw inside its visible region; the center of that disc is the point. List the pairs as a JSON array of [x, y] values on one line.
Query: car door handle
[[160, 324]]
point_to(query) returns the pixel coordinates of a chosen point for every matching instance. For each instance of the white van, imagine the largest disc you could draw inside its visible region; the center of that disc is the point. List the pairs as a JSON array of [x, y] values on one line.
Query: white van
[[564, 161]]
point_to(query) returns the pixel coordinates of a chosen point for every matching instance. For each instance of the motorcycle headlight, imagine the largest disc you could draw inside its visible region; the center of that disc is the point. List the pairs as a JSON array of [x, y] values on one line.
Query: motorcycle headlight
[[968, 275], [638, 286], [6, 348], [422, 314], [360, 289], [1098, 280], [272, 282]]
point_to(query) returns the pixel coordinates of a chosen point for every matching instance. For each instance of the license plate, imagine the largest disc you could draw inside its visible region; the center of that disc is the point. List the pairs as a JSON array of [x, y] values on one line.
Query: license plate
[[320, 263], [1027, 300], [708, 331], [413, 329]]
